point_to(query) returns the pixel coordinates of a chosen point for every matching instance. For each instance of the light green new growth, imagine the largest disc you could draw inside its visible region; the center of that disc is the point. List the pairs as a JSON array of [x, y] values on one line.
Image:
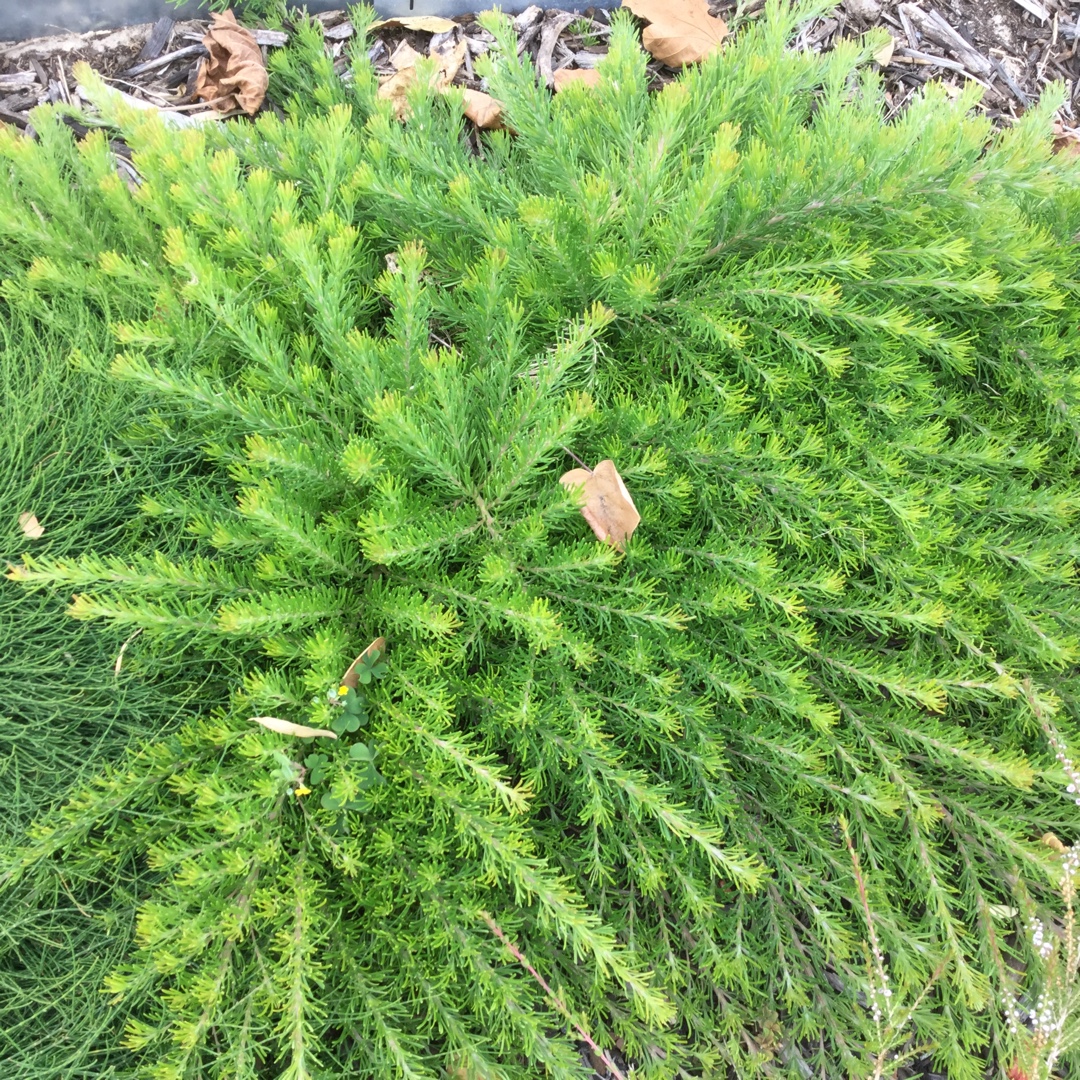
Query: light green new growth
[[832, 360]]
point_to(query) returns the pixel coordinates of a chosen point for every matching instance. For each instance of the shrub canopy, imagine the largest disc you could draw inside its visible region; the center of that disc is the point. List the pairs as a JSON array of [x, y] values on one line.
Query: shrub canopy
[[831, 359]]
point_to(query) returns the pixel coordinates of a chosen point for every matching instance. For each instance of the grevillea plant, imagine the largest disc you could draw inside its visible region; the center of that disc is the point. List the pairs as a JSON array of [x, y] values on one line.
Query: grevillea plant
[[607, 799]]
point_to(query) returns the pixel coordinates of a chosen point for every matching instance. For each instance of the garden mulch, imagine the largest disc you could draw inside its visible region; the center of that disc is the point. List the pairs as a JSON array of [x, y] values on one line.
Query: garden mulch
[[1012, 48]]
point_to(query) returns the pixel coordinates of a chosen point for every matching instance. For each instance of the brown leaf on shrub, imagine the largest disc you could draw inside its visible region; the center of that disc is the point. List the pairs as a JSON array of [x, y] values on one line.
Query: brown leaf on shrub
[[483, 110], [564, 77], [235, 76], [395, 88], [679, 31], [350, 679], [31, 527], [605, 503], [287, 727], [1051, 841]]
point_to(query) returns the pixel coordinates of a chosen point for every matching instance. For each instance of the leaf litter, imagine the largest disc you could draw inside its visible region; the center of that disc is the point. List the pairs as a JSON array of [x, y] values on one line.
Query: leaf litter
[[234, 77], [604, 501], [287, 727], [31, 527], [159, 64], [679, 32]]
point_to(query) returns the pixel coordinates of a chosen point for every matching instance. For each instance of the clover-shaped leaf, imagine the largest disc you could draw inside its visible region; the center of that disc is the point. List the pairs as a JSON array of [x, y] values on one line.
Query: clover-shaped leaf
[[371, 777], [361, 752], [345, 722], [330, 803], [316, 766], [354, 706]]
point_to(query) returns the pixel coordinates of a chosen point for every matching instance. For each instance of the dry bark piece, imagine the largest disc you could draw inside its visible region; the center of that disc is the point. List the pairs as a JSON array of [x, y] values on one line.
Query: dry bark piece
[[605, 503], [287, 727], [340, 32], [530, 16], [483, 110], [565, 77], [555, 22], [31, 527], [933, 26], [350, 679], [235, 76], [430, 24], [679, 31]]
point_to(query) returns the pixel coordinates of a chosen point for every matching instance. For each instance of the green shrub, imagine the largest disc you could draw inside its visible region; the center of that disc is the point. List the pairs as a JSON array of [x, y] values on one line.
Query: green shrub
[[65, 709], [832, 361]]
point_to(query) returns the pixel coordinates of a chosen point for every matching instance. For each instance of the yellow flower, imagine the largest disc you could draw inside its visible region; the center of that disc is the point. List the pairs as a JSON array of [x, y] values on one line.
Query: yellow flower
[[301, 790], [342, 690]]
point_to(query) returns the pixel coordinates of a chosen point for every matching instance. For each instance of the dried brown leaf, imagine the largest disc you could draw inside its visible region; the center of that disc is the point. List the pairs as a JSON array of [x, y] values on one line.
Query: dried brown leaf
[[235, 76], [564, 77], [31, 527], [396, 87], [404, 56], [483, 110], [1065, 140], [287, 727], [349, 679], [605, 503], [430, 24], [450, 59], [883, 57], [679, 31]]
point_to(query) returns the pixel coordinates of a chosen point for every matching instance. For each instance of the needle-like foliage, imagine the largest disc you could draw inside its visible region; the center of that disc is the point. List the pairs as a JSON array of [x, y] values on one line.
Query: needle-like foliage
[[830, 357]]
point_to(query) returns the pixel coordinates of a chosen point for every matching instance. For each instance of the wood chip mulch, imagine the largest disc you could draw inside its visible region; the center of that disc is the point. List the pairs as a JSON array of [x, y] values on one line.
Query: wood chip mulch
[[1012, 48]]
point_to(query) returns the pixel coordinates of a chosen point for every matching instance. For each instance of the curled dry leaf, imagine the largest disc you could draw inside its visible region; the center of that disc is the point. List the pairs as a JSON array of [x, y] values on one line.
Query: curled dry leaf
[[349, 679], [564, 77], [287, 727], [235, 76], [483, 110], [31, 527], [430, 24], [605, 503], [679, 31], [1052, 842]]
